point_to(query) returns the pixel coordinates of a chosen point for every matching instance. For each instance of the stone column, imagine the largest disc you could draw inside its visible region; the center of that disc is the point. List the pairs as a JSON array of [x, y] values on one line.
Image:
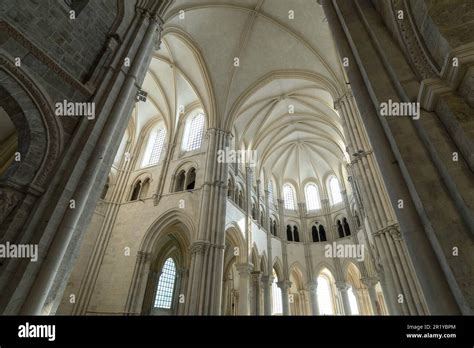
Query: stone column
[[95, 163], [207, 265], [258, 204], [313, 293], [343, 287], [138, 286], [256, 281], [267, 282], [198, 250], [331, 232], [370, 284], [285, 285], [244, 270], [375, 79]]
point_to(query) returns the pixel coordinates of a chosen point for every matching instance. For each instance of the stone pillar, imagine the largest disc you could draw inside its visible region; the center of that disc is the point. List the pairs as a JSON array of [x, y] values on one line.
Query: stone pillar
[[370, 284], [343, 287], [285, 285], [313, 293], [256, 281], [331, 232], [207, 265], [267, 282], [198, 250], [375, 79], [244, 270], [44, 290], [258, 204], [137, 289]]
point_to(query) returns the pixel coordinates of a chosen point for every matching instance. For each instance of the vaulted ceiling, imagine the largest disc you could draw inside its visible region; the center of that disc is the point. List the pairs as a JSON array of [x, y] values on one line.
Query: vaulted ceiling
[[278, 100]]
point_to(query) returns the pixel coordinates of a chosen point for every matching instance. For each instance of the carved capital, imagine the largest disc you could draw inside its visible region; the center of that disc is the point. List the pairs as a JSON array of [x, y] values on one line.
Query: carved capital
[[199, 247], [244, 269]]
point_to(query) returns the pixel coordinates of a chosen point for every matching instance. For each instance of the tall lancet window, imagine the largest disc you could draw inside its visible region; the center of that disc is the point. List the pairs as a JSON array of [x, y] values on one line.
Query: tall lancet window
[[289, 197], [270, 191], [325, 296], [165, 288], [193, 132], [312, 197], [335, 190], [154, 147], [277, 304]]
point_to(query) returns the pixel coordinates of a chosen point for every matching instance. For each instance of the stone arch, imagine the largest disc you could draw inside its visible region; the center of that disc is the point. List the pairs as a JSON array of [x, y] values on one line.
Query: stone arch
[[169, 236], [278, 267], [162, 232], [137, 186], [296, 270], [352, 274], [324, 265], [255, 259], [235, 238], [264, 263], [183, 168], [40, 142], [318, 79]]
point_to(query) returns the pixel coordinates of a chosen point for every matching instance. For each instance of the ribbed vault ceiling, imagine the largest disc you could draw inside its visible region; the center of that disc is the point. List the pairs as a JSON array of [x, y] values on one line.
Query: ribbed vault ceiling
[[285, 64]]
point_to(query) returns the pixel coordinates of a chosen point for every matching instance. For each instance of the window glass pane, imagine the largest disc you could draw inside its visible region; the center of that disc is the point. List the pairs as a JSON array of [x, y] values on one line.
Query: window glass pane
[[324, 296], [195, 133], [335, 190], [157, 147], [277, 306], [289, 197], [164, 291], [353, 301], [312, 197], [270, 191], [154, 147]]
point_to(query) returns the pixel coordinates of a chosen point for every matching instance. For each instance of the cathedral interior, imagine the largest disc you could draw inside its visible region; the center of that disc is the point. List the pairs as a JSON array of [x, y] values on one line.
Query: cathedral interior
[[236, 157]]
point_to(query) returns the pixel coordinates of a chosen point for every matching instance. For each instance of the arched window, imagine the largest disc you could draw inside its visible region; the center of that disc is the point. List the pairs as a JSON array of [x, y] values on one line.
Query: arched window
[[322, 234], [312, 197], [345, 225], [289, 233], [154, 147], [277, 305], [340, 229], [136, 191], [191, 179], [289, 197], [325, 296], [180, 179], [165, 288], [193, 132], [314, 233], [145, 187], [353, 302], [335, 190], [270, 191], [296, 235]]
